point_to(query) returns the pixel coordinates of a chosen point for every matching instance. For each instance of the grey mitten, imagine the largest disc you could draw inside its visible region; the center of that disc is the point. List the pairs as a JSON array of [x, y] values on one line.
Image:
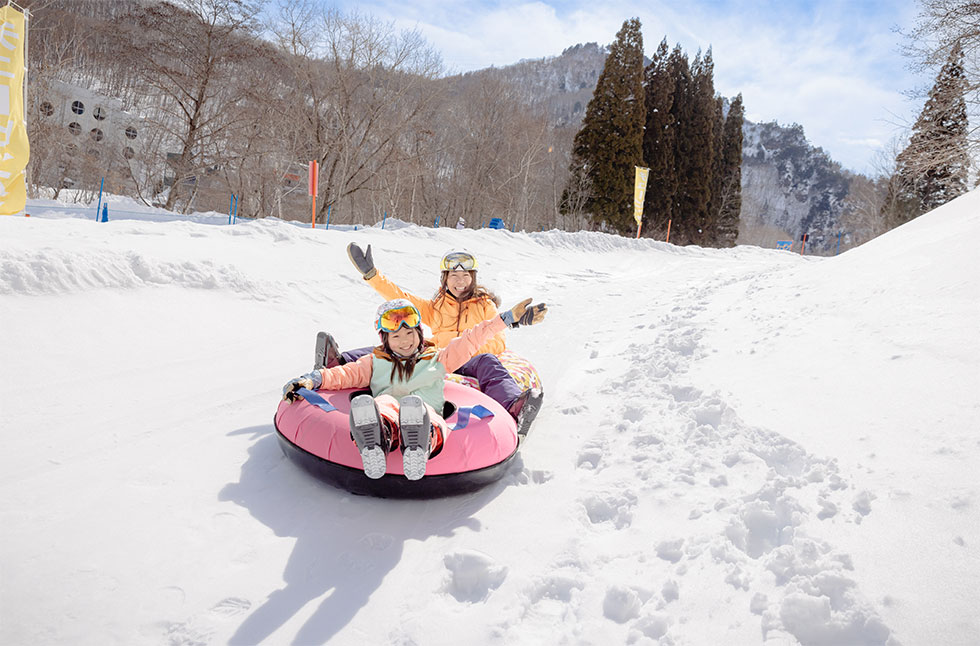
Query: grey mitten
[[362, 260]]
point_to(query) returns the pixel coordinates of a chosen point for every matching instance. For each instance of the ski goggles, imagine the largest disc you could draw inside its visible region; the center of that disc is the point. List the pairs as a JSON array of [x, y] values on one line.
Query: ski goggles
[[392, 320], [458, 261]]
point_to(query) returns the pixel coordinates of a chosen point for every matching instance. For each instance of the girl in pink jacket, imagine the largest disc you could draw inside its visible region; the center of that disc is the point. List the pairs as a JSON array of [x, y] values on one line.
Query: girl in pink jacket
[[406, 376]]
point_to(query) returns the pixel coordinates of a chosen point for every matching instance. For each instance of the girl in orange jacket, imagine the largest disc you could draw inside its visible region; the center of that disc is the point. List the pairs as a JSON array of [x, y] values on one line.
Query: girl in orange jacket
[[406, 375], [459, 304]]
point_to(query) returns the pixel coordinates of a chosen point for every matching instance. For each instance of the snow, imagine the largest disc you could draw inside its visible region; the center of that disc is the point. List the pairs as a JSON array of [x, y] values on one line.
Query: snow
[[737, 446]]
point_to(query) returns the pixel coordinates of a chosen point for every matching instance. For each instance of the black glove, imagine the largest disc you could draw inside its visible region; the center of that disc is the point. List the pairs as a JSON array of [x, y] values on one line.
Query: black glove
[[362, 260], [525, 314]]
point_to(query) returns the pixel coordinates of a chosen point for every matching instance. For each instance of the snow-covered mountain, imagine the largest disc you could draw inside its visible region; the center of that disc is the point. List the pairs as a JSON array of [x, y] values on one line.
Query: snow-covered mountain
[[738, 446], [789, 186]]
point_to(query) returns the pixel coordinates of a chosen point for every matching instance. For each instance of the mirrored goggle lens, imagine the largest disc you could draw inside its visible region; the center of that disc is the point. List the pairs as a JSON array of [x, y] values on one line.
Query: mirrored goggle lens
[[457, 261], [393, 320]]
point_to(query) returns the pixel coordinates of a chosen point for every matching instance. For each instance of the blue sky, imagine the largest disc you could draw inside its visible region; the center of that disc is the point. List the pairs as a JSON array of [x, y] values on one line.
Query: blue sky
[[834, 67]]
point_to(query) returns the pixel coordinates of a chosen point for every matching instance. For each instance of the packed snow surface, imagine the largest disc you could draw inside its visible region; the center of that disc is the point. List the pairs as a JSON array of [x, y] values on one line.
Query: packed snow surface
[[739, 446]]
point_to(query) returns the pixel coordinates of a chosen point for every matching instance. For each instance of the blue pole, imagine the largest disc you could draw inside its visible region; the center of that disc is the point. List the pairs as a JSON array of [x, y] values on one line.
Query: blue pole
[[235, 210], [328, 217], [437, 221], [98, 208], [385, 220], [231, 200]]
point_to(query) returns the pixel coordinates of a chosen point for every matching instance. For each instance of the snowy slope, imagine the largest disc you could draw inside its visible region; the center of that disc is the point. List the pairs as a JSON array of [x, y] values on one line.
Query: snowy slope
[[738, 446]]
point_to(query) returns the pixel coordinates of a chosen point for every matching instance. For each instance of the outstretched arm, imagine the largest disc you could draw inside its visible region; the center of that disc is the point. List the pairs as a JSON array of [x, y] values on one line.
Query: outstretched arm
[[464, 347], [348, 375]]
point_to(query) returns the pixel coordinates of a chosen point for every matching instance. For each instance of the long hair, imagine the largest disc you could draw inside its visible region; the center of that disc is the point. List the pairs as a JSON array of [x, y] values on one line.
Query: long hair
[[475, 290], [402, 368]]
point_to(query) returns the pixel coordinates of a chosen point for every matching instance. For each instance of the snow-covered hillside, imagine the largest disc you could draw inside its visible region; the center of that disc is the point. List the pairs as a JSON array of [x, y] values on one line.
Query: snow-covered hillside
[[737, 446]]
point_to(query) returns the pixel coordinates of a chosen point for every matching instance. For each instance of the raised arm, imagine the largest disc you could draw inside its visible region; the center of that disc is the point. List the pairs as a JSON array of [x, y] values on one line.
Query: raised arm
[[388, 290]]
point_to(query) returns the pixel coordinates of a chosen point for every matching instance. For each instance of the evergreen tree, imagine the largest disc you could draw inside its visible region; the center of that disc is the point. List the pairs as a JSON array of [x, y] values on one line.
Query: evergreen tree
[[610, 142], [710, 237], [730, 199], [695, 152], [680, 117], [933, 168], [658, 143]]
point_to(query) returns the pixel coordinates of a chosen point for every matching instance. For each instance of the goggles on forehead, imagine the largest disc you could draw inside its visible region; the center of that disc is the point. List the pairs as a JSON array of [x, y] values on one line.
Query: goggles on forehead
[[458, 261], [392, 320]]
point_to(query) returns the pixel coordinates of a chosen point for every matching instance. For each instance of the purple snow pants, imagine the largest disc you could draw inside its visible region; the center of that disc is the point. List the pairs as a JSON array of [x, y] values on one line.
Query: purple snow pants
[[495, 381]]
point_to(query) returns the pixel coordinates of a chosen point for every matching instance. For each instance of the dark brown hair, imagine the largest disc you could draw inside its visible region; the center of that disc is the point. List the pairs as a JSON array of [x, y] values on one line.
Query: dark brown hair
[[403, 367], [476, 290]]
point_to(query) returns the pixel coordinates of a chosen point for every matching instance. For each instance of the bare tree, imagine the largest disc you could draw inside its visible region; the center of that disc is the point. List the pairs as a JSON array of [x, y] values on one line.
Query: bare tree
[[362, 92], [192, 59]]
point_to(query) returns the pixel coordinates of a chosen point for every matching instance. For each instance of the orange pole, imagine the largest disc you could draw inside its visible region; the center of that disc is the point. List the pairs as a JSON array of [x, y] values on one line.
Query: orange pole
[[313, 218], [639, 228], [668, 230]]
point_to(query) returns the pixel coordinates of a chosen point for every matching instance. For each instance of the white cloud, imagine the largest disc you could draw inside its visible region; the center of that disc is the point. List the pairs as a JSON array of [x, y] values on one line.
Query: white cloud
[[834, 68]]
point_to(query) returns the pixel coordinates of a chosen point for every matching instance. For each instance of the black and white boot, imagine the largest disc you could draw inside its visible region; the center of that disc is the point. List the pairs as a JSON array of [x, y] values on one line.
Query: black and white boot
[[327, 353], [413, 420], [366, 429], [525, 408]]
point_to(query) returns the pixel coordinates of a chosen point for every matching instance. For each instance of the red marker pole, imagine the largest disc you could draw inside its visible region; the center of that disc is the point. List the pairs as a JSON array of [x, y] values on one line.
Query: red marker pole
[[314, 176]]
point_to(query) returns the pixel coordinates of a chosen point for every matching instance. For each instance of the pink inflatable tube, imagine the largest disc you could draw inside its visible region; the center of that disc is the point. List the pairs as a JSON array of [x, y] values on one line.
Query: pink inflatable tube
[[472, 457]]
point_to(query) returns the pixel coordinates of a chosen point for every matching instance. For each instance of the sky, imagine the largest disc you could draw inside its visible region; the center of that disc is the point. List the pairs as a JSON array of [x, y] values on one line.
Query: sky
[[832, 66], [769, 448]]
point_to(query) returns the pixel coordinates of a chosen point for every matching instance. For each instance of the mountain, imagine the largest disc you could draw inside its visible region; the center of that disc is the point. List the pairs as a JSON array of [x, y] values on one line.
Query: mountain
[[789, 186]]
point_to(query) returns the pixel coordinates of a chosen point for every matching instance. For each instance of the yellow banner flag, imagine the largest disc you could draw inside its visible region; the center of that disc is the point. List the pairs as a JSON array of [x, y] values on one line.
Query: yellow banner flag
[[639, 192], [14, 147]]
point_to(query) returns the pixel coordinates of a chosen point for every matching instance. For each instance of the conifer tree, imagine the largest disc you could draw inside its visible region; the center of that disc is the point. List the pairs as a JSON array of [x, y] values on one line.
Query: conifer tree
[[695, 152], [658, 142], [610, 142], [680, 116], [729, 201], [934, 167], [710, 237]]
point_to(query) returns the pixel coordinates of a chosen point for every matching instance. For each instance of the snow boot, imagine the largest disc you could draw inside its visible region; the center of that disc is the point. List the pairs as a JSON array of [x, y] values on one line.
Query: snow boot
[[367, 430], [327, 354], [413, 420], [525, 408]]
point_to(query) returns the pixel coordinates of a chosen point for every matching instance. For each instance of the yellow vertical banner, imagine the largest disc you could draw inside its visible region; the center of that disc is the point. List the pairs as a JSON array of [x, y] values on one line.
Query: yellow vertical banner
[[14, 147], [639, 192]]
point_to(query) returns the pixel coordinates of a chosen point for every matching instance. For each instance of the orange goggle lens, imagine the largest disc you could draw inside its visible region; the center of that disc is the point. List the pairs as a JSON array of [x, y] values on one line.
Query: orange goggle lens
[[458, 261], [393, 320]]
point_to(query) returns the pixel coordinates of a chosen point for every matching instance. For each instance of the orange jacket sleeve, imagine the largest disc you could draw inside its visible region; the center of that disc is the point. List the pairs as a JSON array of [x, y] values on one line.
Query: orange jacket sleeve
[[466, 346], [348, 375], [390, 291]]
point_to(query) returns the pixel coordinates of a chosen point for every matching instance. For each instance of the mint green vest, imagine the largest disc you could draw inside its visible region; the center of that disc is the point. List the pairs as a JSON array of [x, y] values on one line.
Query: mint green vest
[[427, 381]]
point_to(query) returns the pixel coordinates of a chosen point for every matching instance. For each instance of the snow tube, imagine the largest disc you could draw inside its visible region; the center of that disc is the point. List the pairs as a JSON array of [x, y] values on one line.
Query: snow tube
[[474, 455]]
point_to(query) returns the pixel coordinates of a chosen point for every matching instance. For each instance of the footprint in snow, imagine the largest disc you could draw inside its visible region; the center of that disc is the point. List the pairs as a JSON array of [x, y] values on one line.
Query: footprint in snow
[[473, 575], [231, 607], [615, 509]]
